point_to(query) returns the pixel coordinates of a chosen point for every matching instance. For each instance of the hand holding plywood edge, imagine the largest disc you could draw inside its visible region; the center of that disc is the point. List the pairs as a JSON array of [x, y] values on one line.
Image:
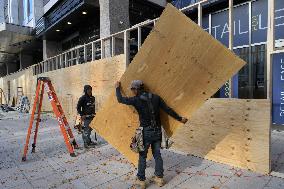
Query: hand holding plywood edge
[[178, 61], [184, 120], [117, 84]]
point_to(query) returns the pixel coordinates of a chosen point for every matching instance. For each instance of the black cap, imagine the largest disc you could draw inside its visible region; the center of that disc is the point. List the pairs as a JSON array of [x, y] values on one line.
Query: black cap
[[136, 84], [87, 87]]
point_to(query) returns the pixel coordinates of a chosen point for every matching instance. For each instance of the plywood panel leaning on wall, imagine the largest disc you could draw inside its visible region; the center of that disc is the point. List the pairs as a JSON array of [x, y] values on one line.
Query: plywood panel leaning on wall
[[69, 82], [231, 131], [180, 62]]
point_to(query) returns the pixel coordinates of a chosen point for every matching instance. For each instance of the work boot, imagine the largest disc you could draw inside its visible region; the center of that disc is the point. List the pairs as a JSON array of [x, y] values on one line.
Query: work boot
[[140, 183], [92, 143], [86, 145], [159, 181]]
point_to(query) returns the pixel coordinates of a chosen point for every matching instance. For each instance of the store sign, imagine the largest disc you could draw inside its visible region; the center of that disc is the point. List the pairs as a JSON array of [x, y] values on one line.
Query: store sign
[[220, 29], [259, 14], [220, 25], [278, 89]]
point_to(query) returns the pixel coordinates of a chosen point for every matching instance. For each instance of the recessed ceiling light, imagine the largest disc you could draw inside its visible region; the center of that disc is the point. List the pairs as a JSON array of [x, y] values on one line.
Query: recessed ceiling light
[[69, 23], [84, 12], [58, 30]]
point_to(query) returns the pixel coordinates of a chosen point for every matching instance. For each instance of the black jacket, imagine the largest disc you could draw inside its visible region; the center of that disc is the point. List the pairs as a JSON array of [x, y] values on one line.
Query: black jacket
[[86, 106], [143, 110]]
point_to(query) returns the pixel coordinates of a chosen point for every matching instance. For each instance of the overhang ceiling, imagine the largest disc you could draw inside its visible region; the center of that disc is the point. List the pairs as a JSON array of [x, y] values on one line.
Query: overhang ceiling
[[12, 38]]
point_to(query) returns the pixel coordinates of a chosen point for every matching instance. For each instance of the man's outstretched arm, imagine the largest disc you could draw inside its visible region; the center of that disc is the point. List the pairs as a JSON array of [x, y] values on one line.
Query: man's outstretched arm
[[120, 98], [171, 112]]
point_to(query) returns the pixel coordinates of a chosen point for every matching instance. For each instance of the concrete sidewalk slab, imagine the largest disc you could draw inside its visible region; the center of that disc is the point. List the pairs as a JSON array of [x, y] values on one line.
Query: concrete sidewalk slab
[[104, 168]]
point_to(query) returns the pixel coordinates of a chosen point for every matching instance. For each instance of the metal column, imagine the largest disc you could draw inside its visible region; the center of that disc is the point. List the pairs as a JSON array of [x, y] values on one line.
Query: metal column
[[231, 40], [270, 45]]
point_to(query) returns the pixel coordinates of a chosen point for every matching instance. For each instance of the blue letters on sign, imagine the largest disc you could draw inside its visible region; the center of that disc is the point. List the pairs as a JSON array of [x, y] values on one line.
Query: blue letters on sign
[[182, 3], [278, 89], [259, 21], [220, 27], [241, 25], [279, 19]]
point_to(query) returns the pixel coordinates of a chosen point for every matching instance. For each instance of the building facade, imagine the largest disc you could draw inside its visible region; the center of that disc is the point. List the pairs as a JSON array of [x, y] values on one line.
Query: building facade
[[32, 30]]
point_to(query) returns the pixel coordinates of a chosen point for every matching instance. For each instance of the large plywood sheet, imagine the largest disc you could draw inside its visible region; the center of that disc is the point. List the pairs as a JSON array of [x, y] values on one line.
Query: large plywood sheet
[[231, 131], [180, 62]]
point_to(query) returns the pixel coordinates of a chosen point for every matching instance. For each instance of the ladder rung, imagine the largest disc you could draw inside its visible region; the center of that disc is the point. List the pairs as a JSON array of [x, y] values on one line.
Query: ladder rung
[[62, 116]]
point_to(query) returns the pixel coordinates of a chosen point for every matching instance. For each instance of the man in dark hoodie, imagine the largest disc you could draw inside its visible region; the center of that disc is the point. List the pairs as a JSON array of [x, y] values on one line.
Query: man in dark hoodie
[[86, 109], [148, 106]]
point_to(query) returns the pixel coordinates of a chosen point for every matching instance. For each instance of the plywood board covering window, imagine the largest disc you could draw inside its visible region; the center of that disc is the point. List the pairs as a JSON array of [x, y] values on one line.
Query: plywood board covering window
[[231, 131]]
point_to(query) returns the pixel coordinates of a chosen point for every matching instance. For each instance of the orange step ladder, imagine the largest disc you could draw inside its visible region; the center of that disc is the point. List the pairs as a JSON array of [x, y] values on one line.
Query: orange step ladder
[[44, 84]]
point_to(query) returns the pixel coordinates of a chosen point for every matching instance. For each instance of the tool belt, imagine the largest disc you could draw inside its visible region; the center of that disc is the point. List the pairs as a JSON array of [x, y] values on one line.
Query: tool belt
[[136, 144], [151, 128], [78, 124], [90, 116], [166, 143]]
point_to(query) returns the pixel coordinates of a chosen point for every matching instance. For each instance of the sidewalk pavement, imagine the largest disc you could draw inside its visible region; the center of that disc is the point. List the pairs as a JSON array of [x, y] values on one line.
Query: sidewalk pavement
[[104, 168]]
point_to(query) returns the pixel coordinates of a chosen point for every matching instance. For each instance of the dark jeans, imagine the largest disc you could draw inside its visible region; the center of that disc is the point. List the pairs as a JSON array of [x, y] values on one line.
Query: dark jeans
[[86, 135], [151, 137]]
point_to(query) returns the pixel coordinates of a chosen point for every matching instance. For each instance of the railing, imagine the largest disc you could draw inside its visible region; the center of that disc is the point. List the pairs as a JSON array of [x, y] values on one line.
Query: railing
[[61, 10], [99, 49], [40, 25], [45, 2], [183, 3]]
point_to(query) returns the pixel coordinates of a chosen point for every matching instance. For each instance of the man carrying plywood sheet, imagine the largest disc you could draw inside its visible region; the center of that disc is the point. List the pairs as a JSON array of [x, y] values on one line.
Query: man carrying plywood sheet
[[148, 106], [179, 61]]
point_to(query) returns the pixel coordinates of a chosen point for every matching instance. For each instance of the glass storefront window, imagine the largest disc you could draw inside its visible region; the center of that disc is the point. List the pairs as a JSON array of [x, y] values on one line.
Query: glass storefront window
[[258, 72], [243, 75], [28, 10], [252, 77]]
